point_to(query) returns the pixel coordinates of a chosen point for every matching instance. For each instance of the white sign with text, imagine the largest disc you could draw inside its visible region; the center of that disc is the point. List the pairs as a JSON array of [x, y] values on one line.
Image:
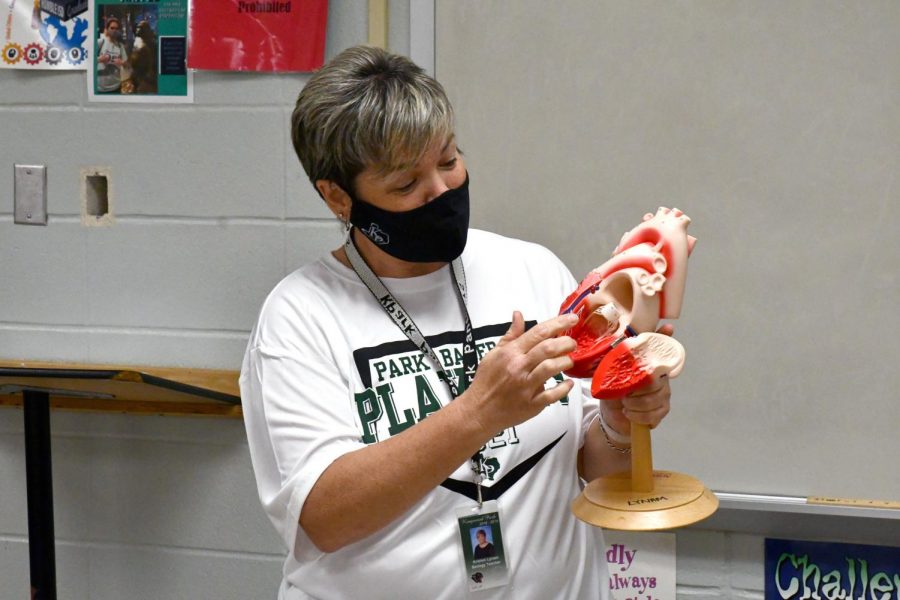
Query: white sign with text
[[641, 565]]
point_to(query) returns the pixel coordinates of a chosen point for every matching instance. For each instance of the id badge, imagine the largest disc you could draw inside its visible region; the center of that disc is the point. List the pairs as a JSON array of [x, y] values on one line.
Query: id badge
[[481, 538]]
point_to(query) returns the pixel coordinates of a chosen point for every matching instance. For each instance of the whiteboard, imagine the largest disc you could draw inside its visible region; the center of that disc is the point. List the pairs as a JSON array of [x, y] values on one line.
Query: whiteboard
[[776, 127]]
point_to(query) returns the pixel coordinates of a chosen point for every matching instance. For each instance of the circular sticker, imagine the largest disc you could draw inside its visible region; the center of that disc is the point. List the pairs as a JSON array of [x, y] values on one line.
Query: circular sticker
[[12, 53], [54, 54], [75, 55], [33, 54]]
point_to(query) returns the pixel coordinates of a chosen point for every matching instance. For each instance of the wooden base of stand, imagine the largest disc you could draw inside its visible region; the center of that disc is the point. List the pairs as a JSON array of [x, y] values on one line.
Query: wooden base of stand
[[676, 500]]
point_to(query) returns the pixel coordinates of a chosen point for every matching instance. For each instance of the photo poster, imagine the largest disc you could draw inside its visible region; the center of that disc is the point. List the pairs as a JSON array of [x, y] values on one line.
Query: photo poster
[[831, 571], [641, 565], [257, 35], [45, 34], [139, 52]]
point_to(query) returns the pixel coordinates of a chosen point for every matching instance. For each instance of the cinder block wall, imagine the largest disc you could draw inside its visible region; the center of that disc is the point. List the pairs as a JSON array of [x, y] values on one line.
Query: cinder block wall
[[211, 209]]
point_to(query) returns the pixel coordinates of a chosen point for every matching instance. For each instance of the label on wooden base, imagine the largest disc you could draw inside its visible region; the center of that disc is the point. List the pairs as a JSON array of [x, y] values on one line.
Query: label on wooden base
[[675, 501], [669, 490]]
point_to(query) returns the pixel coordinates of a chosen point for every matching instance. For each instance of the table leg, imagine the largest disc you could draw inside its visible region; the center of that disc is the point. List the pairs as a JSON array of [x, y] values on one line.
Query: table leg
[[39, 478]]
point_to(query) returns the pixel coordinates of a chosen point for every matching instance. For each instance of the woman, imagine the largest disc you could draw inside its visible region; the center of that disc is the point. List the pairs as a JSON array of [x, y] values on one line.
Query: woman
[[372, 436], [483, 548], [112, 58]]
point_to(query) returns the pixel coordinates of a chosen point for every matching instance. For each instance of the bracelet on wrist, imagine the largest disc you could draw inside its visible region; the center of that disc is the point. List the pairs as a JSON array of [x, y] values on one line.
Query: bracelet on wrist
[[613, 437]]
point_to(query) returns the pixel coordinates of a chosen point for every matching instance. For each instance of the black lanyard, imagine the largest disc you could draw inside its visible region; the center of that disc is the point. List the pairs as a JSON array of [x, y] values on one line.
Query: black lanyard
[[409, 328]]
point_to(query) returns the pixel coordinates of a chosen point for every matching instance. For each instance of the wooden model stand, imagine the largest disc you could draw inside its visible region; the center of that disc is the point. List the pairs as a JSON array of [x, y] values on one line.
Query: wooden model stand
[[644, 500], [38, 386]]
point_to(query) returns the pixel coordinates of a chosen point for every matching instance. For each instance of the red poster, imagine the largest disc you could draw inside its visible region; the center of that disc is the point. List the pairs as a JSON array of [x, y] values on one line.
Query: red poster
[[257, 35]]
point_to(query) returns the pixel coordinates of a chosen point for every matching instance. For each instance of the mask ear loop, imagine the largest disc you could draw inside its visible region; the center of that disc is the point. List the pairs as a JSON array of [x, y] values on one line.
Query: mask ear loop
[[346, 224]]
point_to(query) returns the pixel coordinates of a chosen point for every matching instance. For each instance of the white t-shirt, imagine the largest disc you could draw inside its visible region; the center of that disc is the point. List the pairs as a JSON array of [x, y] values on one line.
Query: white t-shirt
[[109, 75], [327, 372]]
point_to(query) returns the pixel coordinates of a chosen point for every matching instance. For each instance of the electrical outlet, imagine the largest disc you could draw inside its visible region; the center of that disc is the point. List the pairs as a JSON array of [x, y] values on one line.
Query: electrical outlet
[[30, 195]]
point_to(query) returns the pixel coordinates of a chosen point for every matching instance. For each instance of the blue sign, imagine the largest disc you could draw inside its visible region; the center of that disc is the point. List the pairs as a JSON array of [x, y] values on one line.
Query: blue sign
[[798, 570]]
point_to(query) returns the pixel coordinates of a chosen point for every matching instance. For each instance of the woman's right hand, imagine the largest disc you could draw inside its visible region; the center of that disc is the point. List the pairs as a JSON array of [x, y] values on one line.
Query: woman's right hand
[[508, 388]]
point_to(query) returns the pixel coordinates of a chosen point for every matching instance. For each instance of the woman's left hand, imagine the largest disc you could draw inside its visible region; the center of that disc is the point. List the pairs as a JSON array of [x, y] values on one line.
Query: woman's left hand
[[648, 405]]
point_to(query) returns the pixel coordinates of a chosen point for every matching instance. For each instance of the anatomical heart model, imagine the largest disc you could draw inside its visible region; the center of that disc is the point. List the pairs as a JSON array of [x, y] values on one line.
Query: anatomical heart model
[[620, 304]]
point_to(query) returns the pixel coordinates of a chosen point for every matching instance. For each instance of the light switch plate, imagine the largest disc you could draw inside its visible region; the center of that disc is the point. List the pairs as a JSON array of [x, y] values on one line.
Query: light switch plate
[[30, 194]]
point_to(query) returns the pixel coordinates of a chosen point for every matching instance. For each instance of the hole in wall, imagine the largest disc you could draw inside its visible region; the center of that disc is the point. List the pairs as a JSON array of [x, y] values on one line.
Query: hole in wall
[[96, 196]]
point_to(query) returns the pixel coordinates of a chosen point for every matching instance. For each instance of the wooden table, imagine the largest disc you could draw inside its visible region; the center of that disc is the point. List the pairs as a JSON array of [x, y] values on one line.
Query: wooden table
[[38, 386]]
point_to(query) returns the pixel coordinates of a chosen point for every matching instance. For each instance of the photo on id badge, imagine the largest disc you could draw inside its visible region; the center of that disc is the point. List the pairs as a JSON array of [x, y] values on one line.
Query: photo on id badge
[[483, 553]]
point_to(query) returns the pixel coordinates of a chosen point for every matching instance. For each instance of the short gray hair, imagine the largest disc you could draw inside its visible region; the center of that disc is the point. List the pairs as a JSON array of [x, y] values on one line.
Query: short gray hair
[[367, 108]]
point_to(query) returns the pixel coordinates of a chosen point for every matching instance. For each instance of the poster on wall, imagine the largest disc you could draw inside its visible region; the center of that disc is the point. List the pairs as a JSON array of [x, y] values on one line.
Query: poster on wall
[[641, 565], [45, 34], [257, 35], [139, 52], [806, 570]]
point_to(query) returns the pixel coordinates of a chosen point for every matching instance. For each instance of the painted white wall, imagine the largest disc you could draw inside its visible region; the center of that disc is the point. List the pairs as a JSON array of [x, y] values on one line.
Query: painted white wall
[[577, 117]]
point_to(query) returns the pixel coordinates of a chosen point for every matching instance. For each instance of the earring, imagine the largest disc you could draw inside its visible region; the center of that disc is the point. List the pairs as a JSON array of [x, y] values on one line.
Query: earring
[[345, 222]]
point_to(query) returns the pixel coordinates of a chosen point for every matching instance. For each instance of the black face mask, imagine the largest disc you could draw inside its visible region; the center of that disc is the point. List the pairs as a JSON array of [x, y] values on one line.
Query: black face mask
[[433, 232]]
